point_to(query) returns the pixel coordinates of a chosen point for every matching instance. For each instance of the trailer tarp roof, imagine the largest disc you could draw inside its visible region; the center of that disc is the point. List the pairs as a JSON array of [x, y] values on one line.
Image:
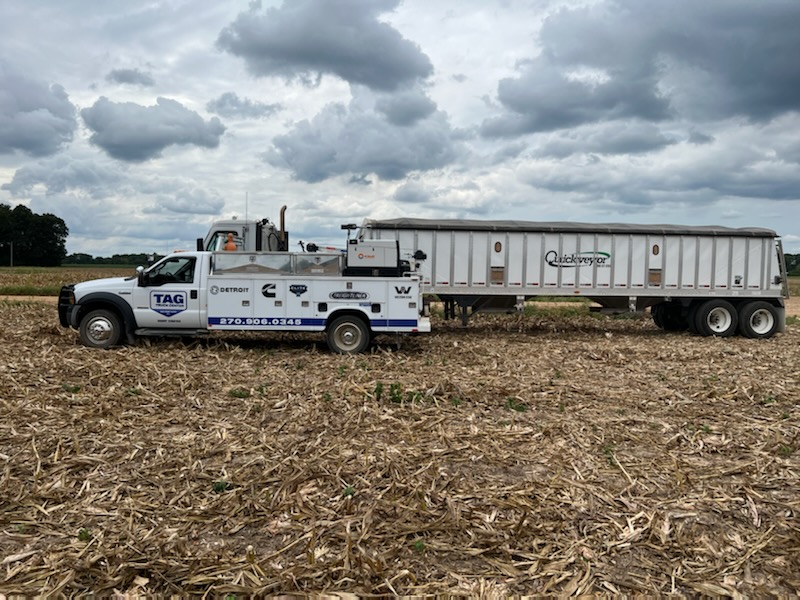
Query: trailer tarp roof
[[564, 227]]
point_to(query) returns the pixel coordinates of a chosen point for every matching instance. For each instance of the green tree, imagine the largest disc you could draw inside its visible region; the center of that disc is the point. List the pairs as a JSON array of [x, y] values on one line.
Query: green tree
[[36, 240]]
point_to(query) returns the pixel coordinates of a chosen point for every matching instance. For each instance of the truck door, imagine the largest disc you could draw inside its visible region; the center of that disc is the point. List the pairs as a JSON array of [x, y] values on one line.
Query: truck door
[[168, 295]]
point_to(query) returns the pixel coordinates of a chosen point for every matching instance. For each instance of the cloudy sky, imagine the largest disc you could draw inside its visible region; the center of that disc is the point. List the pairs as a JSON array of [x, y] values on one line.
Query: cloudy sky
[[139, 123]]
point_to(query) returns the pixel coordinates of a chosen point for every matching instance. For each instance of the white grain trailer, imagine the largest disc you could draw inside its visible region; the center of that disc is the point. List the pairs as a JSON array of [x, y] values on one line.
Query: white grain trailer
[[710, 280]]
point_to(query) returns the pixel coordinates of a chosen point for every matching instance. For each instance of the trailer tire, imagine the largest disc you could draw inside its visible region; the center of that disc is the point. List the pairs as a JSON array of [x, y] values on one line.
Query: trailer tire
[[716, 317], [758, 320], [657, 315], [348, 335], [672, 318], [100, 328]]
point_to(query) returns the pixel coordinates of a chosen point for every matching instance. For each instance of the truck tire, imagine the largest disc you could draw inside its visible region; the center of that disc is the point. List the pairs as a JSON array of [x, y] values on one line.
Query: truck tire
[[758, 319], [348, 335], [100, 329], [716, 317]]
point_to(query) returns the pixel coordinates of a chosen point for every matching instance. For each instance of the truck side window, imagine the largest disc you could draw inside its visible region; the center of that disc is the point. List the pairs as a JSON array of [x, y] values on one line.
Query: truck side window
[[173, 270]]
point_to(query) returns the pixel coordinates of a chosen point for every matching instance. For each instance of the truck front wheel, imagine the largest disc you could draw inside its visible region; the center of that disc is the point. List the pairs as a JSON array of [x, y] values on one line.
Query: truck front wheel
[[348, 335], [100, 329]]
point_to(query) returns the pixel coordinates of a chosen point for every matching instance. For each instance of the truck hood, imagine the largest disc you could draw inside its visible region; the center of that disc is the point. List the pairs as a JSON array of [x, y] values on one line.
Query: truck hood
[[112, 285]]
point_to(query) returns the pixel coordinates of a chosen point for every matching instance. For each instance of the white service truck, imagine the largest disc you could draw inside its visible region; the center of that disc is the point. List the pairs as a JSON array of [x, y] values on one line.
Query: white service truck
[[350, 296], [708, 279]]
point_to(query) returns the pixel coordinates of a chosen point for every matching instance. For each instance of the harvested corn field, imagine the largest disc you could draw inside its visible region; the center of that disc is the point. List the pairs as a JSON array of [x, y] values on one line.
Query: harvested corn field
[[554, 453]]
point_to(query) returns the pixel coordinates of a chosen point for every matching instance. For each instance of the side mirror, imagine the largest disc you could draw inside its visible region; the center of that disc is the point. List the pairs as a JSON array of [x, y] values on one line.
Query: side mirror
[[199, 245], [140, 275]]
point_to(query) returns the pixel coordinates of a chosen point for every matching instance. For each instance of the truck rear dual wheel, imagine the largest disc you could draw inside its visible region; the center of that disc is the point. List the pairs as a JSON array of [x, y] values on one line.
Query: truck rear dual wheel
[[758, 319], [101, 329], [348, 335], [716, 317]]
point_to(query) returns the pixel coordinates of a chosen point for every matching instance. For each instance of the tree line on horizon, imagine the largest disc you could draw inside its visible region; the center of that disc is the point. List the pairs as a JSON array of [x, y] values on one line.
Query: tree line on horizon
[[30, 239]]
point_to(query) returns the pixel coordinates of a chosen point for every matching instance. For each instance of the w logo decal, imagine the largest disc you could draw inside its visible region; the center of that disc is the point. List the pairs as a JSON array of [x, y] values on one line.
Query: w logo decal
[[402, 290]]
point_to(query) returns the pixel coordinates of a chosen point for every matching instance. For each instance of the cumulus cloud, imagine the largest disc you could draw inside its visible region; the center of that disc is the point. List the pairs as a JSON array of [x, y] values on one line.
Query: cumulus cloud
[[71, 181], [617, 138], [61, 175], [304, 39], [405, 108], [189, 200], [35, 118], [356, 139], [231, 106], [131, 132], [412, 193], [653, 61], [130, 76]]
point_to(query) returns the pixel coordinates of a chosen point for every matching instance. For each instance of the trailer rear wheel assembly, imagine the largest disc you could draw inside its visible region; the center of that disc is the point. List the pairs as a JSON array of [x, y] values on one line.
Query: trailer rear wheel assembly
[[716, 317], [348, 335], [758, 319]]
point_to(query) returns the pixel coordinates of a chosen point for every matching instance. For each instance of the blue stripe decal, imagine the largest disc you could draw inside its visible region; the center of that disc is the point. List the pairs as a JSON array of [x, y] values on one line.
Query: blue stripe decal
[[393, 322]]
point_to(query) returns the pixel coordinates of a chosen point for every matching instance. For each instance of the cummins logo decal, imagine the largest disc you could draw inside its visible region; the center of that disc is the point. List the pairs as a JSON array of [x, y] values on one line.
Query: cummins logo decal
[[578, 259], [268, 291], [168, 303]]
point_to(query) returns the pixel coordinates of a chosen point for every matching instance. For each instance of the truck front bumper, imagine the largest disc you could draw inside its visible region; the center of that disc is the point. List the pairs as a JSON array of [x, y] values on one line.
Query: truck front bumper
[[66, 306]]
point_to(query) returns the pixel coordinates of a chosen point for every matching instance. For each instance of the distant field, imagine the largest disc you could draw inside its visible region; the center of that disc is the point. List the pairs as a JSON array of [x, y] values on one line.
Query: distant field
[[794, 286], [47, 281]]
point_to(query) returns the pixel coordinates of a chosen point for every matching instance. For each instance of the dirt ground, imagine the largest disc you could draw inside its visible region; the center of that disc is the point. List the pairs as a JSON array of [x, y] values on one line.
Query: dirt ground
[[547, 454]]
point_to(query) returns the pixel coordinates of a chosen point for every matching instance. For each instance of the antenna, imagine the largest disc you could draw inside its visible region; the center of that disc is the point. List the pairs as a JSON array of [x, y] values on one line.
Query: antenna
[[245, 206]]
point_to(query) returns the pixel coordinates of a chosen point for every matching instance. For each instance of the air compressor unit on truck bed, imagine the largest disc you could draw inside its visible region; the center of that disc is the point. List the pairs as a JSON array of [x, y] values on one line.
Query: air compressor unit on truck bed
[[349, 296]]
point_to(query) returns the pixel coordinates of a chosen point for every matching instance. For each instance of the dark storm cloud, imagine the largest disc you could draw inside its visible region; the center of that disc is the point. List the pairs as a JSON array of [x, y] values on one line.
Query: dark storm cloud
[[403, 109], [131, 76], [304, 39], [231, 106], [650, 60], [35, 118], [342, 140], [131, 132]]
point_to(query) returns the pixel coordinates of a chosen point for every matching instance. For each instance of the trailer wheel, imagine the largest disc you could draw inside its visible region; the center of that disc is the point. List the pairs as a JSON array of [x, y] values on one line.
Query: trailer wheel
[[758, 319], [348, 335], [672, 318], [657, 315], [100, 329], [716, 317]]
